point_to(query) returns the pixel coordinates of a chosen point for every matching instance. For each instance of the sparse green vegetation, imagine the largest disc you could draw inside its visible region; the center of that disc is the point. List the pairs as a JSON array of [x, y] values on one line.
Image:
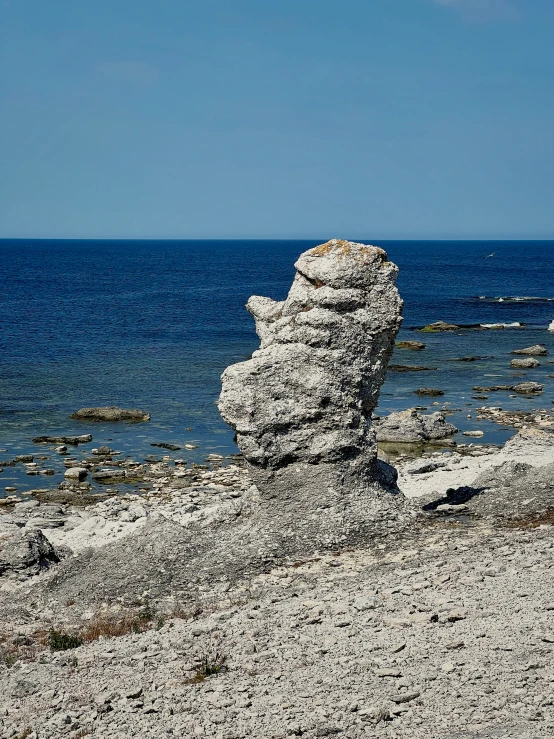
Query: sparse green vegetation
[[58, 641]]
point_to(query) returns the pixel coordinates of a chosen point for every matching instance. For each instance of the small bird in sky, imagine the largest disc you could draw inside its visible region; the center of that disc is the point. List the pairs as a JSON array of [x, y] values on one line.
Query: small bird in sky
[[490, 255]]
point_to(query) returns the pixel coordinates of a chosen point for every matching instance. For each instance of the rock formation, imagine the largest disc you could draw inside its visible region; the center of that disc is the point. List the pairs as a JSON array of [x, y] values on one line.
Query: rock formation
[[302, 405], [529, 363], [24, 553], [411, 427]]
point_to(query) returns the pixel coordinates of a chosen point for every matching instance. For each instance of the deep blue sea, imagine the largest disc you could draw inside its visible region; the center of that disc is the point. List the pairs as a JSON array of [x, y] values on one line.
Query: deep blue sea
[[152, 324]]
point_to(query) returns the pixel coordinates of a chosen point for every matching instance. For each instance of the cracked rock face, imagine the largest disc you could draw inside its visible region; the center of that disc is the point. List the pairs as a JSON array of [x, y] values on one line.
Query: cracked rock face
[[302, 405]]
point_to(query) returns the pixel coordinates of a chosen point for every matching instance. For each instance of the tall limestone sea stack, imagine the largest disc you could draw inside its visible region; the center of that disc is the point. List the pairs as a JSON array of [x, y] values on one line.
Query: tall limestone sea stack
[[302, 405]]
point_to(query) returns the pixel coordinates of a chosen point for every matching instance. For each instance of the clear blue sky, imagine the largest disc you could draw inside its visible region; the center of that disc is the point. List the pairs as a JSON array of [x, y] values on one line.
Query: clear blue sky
[[277, 118]]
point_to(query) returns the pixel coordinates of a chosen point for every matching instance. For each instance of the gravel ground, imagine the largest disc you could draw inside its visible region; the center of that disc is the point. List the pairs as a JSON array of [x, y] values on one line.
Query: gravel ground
[[445, 631], [448, 636]]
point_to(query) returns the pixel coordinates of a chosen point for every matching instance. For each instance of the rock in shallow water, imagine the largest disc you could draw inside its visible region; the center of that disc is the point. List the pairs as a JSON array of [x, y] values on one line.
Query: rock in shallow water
[[538, 350], [526, 388], [410, 344], [76, 473], [411, 427], [74, 440], [111, 413], [529, 363]]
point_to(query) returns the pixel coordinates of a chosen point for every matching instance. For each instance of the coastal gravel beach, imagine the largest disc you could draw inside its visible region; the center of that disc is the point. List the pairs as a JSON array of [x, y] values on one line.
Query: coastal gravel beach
[[450, 635], [444, 631]]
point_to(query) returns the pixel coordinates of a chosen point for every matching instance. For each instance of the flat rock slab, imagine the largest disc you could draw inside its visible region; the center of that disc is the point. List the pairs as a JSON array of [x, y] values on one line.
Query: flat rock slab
[[526, 388], [538, 350], [74, 440], [111, 413]]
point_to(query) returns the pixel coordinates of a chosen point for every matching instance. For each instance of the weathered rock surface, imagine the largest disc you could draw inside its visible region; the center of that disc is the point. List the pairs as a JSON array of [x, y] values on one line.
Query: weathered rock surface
[[529, 363], [24, 553], [302, 405], [538, 350], [111, 413], [76, 473], [412, 427]]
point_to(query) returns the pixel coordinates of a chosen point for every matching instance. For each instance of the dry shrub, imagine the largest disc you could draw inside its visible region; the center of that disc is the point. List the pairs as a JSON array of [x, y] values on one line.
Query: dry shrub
[[113, 626], [16, 647], [533, 520]]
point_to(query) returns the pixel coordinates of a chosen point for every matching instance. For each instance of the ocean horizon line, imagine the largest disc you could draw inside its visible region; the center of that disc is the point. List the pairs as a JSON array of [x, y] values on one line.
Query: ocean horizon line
[[191, 239]]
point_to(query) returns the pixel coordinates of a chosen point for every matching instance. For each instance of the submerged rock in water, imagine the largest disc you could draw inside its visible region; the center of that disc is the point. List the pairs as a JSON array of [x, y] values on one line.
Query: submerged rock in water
[[302, 405], [411, 427], [469, 359], [107, 476], [409, 344], [439, 326], [432, 391], [74, 440], [111, 413], [409, 368], [538, 350]]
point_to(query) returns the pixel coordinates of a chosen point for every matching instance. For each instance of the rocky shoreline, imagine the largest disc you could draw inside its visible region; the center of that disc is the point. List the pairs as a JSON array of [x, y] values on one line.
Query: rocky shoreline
[[411, 637]]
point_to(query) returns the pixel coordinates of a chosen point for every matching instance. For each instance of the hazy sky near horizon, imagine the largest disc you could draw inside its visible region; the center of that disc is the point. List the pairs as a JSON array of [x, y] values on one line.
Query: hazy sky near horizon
[[277, 118]]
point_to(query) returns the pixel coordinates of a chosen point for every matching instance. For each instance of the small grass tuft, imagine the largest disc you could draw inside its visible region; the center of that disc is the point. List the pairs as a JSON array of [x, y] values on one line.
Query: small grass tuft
[[210, 665]]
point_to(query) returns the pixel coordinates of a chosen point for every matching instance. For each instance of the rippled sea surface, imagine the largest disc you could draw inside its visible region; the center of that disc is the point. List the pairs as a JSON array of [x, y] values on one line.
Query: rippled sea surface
[[152, 324]]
